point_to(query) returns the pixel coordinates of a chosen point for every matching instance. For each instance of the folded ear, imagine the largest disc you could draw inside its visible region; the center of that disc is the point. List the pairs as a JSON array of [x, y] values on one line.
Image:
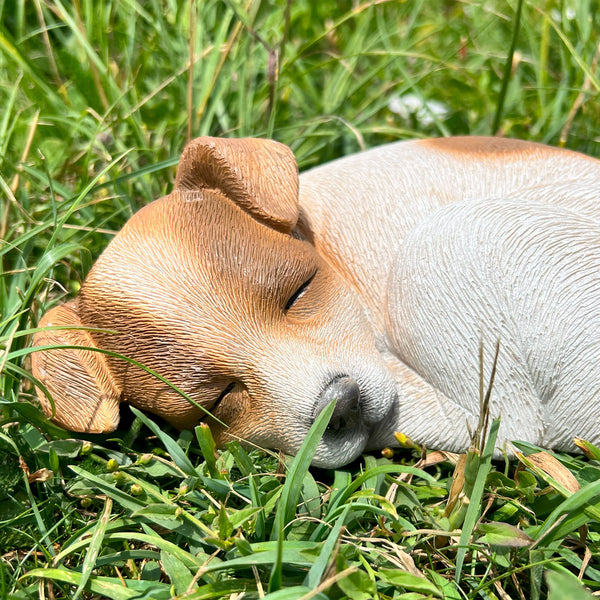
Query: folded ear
[[85, 396], [261, 176]]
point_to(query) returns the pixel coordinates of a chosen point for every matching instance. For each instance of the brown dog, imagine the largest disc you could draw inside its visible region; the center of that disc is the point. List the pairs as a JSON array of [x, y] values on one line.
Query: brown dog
[[375, 289]]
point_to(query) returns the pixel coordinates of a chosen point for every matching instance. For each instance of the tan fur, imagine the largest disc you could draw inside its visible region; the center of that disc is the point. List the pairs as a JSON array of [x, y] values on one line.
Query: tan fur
[[494, 148]]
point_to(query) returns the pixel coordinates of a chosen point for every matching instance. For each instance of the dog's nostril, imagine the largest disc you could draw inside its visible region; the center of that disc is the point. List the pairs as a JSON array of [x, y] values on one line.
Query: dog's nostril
[[347, 393]]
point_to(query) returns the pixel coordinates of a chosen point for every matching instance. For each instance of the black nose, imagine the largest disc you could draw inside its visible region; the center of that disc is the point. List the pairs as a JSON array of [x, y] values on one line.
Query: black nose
[[347, 394]]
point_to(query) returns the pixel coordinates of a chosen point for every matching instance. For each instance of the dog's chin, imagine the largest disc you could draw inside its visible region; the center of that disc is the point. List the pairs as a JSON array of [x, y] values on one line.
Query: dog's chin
[[382, 434], [338, 448]]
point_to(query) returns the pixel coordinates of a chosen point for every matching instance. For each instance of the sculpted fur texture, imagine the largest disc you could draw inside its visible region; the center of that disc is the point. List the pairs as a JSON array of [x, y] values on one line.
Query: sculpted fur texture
[[373, 281]]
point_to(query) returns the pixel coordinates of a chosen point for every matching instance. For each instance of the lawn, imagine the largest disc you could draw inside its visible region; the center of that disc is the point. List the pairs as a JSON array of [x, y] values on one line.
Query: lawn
[[98, 99]]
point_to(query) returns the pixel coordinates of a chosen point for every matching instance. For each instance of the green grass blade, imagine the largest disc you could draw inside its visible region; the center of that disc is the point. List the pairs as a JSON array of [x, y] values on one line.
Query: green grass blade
[[297, 592], [583, 505], [242, 460], [89, 562], [286, 509], [171, 446], [10, 49], [474, 509], [208, 449], [179, 575], [314, 576], [288, 503], [112, 491], [563, 586], [508, 67], [107, 587], [372, 474], [255, 497], [26, 351], [149, 539]]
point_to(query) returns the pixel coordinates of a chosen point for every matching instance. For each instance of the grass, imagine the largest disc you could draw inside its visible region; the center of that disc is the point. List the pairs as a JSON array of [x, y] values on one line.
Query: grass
[[97, 100]]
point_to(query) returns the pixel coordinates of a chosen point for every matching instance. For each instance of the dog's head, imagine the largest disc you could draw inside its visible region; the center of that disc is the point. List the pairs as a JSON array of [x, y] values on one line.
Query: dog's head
[[213, 288]]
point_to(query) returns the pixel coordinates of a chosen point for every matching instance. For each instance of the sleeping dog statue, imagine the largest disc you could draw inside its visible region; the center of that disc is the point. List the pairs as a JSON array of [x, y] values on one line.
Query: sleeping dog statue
[[373, 280]]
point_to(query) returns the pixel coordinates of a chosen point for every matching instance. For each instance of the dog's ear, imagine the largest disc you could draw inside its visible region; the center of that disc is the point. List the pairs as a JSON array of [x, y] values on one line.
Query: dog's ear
[[79, 381], [261, 176]]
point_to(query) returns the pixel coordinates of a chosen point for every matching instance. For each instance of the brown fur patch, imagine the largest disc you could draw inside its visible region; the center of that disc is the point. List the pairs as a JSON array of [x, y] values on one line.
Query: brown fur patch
[[492, 146]]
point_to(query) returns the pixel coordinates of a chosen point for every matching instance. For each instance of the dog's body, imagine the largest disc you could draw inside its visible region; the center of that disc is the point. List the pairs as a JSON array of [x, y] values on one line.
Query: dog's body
[[469, 241], [378, 289]]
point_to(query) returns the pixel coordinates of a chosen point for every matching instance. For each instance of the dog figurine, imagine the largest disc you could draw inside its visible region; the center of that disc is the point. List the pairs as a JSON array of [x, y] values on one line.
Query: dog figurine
[[373, 280]]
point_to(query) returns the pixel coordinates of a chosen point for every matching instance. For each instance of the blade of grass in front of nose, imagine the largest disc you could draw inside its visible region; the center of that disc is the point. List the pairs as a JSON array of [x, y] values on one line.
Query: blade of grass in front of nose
[[286, 509]]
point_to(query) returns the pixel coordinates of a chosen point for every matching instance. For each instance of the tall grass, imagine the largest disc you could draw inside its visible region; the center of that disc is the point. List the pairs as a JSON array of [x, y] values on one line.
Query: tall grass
[[98, 99]]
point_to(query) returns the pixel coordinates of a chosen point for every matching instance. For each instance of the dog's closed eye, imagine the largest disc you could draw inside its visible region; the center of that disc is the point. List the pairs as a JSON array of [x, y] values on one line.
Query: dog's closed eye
[[299, 292]]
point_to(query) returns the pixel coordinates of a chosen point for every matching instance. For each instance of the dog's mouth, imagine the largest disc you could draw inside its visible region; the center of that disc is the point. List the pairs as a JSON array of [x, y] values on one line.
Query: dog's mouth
[[339, 446]]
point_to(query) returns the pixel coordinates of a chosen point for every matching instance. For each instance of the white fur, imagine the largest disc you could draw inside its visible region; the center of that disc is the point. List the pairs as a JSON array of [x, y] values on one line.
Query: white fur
[[449, 250]]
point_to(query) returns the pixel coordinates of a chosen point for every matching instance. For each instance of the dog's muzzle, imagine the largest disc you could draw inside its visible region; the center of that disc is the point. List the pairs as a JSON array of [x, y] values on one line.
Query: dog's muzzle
[[346, 392]]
